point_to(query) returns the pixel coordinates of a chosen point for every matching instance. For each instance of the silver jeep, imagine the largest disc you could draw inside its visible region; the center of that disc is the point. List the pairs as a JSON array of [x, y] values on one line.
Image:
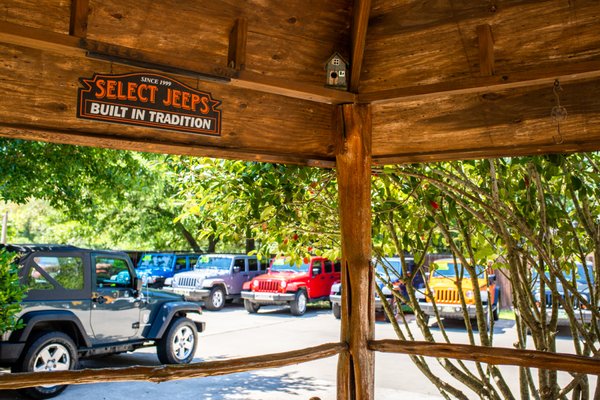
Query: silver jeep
[[216, 278]]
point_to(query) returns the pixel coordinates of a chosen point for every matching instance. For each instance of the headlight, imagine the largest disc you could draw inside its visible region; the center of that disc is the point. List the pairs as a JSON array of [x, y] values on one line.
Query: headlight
[[255, 284], [469, 294], [283, 284]]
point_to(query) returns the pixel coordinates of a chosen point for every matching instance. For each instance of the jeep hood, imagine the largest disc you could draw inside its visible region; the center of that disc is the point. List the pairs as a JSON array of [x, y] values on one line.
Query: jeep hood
[[282, 276], [160, 295], [445, 283]]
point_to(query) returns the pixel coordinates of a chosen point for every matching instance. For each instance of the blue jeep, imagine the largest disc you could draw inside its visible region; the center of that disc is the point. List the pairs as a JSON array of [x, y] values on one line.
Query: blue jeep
[[154, 268]]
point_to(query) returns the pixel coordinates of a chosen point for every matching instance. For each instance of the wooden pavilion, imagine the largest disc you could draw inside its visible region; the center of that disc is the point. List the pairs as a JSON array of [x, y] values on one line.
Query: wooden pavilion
[[425, 81]]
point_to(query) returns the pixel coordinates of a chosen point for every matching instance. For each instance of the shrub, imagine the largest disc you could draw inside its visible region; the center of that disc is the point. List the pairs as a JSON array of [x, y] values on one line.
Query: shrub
[[11, 292]]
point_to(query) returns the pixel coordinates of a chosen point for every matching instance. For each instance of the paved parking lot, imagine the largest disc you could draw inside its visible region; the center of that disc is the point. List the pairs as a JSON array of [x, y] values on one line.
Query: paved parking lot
[[233, 332]]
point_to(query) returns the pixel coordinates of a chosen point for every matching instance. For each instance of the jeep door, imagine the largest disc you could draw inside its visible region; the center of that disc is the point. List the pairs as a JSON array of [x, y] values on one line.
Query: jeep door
[[239, 275], [59, 281], [115, 312], [319, 285]]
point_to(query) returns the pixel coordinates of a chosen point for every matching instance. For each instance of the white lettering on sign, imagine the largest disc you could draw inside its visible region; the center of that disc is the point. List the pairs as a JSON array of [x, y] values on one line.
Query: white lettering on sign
[[109, 110]]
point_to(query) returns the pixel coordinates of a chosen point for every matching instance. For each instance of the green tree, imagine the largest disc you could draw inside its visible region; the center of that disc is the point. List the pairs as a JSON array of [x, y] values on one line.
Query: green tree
[[94, 197], [11, 292]]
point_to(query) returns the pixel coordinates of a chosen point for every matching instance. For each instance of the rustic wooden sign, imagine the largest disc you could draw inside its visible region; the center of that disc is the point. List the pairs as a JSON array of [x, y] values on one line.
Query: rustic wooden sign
[[148, 99]]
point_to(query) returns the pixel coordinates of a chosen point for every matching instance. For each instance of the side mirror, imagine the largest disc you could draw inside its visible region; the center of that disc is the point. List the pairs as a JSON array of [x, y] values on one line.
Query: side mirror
[[137, 285], [236, 269], [316, 271]]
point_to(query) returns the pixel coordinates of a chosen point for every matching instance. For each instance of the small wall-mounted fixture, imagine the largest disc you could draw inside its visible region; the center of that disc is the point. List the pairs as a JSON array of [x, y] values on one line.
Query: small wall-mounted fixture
[[337, 72]]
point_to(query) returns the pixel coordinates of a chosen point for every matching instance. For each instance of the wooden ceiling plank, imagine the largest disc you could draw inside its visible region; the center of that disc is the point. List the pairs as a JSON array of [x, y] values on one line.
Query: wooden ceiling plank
[[72, 46], [564, 73], [486, 49], [79, 18], [362, 10], [238, 37]]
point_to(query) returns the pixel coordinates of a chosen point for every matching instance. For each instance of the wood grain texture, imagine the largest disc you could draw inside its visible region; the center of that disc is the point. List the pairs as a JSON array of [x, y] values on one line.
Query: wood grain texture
[[412, 43], [39, 92], [79, 18], [492, 355], [486, 49], [514, 122], [236, 57], [291, 42], [51, 15], [166, 373], [360, 22], [356, 370]]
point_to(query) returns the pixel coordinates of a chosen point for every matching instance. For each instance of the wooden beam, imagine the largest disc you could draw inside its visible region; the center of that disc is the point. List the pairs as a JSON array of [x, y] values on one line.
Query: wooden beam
[[236, 57], [488, 152], [166, 373], [565, 73], [79, 18], [50, 135], [72, 46], [486, 50], [356, 370], [492, 355], [360, 22]]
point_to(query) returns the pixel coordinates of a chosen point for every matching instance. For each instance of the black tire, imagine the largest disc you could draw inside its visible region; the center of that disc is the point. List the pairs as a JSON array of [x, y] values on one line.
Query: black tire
[[251, 307], [178, 344], [216, 299], [298, 305], [495, 314], [48, 351], [337, 310]]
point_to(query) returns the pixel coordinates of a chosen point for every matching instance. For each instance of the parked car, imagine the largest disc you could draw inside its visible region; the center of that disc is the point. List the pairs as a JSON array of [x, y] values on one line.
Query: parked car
[[583, 279], [388, 270], [155, 268], [216, 278], [83, 303], [443, 278], [292, 284]]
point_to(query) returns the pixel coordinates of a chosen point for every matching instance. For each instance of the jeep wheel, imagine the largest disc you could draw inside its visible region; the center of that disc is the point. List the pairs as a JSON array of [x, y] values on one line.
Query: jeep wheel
[[178, 345], [251, 307], [216, 299], [298, 305], [49, 351], [337, 310]]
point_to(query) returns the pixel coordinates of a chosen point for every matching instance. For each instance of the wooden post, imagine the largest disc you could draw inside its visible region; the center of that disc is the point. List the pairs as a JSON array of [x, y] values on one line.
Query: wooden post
[[356, 369]]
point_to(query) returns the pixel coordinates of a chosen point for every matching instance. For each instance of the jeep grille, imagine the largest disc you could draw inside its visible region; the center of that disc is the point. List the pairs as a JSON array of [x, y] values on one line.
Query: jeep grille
[[446, 296], [266, 286], [186, 282]]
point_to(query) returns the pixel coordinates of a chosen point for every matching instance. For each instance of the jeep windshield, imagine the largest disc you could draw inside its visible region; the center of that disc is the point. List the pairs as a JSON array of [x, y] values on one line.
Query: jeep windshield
[[284, 265], [213, 262], [388, 269], [578, 273], [156, 262], [449, 270]]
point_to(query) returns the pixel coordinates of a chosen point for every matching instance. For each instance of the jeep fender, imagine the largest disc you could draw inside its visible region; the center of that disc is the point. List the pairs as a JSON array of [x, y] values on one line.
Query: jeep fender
[[167, 313], [210, 283], [294, 287], [33, 318]]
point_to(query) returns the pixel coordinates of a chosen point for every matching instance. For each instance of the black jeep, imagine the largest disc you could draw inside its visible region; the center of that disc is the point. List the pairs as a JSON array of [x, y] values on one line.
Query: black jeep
[[82, 303]]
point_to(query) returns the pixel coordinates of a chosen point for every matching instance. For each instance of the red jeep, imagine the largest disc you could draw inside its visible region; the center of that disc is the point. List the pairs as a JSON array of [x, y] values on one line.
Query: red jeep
[[293, 284]]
